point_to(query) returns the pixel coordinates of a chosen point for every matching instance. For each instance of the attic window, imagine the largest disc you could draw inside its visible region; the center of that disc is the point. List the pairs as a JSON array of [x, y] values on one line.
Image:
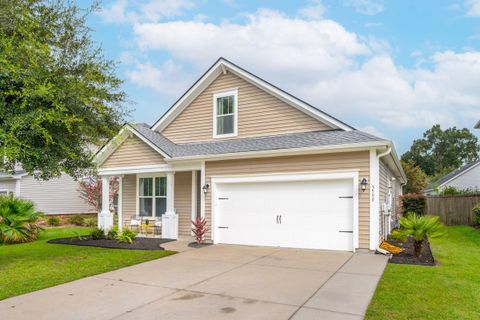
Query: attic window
[[225, 114]]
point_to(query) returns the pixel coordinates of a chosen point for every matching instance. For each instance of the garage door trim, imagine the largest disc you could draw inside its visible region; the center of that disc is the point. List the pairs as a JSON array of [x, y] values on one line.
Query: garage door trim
[[285, 177]]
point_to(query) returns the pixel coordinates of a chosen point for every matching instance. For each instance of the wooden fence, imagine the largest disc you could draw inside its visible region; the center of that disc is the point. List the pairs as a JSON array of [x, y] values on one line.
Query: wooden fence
[[453, 210]]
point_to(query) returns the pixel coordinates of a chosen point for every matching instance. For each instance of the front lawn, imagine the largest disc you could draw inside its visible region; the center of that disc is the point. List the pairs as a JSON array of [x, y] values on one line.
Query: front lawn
[[450, 290], [37, 265]]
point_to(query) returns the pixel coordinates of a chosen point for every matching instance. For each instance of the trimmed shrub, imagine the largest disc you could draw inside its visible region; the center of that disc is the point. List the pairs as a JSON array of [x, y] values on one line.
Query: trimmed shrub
[[127, 236], [413, 202], [476, 211], [53, 221], [112, 233], [76, 220], [419, 228], [18, 220], [91, 222], [97, 234]]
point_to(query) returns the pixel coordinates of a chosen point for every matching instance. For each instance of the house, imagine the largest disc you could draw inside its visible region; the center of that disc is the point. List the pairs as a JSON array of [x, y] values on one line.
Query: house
[[477, 126], [56, 196], [262, 166], [465, 177]]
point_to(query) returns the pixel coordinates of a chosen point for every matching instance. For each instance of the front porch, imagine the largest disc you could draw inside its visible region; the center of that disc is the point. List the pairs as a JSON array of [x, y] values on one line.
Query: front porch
[[153, 202]]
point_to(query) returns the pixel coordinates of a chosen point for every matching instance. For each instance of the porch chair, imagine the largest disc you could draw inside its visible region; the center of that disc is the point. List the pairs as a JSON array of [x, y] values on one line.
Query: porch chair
[[135, 224], [157, 228]]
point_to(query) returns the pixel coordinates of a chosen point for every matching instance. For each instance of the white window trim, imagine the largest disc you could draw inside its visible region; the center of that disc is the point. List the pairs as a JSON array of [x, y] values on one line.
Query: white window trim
[[153, 197], [8, 191], [217, 95]]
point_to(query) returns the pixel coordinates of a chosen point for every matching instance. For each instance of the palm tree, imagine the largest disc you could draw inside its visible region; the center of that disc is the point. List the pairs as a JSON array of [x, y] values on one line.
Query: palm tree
[[18, 220], [419, 228]]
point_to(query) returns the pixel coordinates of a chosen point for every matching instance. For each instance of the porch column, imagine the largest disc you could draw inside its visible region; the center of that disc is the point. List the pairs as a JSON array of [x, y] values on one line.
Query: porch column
[[170, 218], [170, 193], [120, 203], [105, 217]]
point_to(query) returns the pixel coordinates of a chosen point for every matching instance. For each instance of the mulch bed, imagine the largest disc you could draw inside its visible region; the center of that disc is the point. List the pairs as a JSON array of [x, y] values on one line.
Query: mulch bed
[[407, 257], [138, 243]]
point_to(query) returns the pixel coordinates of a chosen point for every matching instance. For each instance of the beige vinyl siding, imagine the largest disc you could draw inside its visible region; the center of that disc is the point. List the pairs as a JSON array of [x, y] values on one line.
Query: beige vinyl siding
[[55, 196], [183, 202], [386, 175], [259, 114], [133, 152], [304, 163], [129, 202]]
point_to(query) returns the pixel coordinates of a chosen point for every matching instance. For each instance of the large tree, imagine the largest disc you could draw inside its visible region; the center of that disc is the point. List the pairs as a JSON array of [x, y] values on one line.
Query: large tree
[[59, 96], [442, 150]]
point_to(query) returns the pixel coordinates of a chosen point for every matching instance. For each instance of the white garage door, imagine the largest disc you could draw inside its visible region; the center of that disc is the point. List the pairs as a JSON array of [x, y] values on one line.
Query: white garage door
[[298, 214]]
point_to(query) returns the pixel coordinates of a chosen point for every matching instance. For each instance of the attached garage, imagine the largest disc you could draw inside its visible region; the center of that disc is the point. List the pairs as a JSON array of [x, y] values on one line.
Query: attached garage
[[314, 211]]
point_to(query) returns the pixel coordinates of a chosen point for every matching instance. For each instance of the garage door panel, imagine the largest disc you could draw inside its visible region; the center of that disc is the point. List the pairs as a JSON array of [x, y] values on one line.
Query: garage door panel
[[312, 214]]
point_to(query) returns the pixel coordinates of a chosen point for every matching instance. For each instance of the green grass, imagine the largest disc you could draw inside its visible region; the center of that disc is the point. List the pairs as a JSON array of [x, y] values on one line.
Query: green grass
[[37, 265], [450, 290]]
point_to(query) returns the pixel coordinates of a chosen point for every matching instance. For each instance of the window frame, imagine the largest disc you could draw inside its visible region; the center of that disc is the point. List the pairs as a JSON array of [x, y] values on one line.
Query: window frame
[[221, 94], [153, 196], [6, 191]]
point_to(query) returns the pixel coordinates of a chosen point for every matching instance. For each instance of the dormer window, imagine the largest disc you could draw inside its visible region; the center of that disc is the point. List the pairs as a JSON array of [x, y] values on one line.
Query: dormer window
[[225, 114]]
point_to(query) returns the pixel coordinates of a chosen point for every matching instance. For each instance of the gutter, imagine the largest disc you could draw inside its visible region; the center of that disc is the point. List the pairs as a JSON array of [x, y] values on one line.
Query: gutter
[[381, 155]]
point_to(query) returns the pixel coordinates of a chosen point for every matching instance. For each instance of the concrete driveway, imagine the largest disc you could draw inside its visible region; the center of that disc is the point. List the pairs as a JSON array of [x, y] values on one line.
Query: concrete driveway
[[216, 282]]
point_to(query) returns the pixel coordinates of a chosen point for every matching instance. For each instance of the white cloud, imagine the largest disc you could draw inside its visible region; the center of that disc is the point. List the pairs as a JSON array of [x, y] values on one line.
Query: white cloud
[[169, 79], [374, 131], [155, 10], [150, 11], [115, 13], [322, 62], [315, 10], [473, 8], [367, 7]]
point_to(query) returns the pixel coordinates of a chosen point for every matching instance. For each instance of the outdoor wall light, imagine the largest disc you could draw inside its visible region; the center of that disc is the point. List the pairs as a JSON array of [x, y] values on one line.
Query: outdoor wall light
[[205, 188], [364, 184]]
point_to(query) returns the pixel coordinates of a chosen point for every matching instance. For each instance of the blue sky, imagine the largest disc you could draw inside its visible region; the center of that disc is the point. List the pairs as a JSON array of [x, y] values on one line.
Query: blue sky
[[392, 68]]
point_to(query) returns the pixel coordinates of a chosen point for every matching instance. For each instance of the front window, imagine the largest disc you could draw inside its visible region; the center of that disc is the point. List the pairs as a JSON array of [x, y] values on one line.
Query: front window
[[152, 196], [225, 108]]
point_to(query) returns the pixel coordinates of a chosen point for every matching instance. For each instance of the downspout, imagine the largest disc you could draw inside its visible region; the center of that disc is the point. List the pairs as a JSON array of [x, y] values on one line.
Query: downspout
[[381, 155]]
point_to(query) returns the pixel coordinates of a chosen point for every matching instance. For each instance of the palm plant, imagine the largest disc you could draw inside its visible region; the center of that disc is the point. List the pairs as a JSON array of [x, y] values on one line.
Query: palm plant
[[419, 228], [18, 220]]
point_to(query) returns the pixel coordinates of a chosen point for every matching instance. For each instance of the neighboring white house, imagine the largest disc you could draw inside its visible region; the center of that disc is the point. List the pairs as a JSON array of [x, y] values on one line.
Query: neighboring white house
[[55, 196], [466, 177]]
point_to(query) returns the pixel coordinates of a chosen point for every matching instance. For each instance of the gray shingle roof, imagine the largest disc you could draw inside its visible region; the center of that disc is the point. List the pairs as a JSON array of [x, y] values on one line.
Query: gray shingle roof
[[455, 173], [277, 142]]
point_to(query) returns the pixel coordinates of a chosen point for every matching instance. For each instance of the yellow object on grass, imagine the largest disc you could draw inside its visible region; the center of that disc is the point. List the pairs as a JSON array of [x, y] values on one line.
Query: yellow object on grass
[[391, 248]]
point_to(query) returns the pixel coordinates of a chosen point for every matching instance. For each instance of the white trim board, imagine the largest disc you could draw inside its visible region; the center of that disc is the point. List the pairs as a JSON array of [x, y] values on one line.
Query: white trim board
[[222, 65], [291, 176]]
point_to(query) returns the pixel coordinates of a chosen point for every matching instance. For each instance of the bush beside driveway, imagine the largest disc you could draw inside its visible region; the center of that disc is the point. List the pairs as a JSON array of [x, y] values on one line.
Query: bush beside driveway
[[449, 290], [37, 265]]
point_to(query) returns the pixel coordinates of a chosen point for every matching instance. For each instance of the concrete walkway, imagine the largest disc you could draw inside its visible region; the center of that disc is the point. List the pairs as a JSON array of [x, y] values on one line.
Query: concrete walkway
[[216, 282]]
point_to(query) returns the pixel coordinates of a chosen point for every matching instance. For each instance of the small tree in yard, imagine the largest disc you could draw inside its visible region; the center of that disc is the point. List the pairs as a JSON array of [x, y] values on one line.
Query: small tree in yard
[[419, 228], [91, 191], [199, 229], [416, 177]]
